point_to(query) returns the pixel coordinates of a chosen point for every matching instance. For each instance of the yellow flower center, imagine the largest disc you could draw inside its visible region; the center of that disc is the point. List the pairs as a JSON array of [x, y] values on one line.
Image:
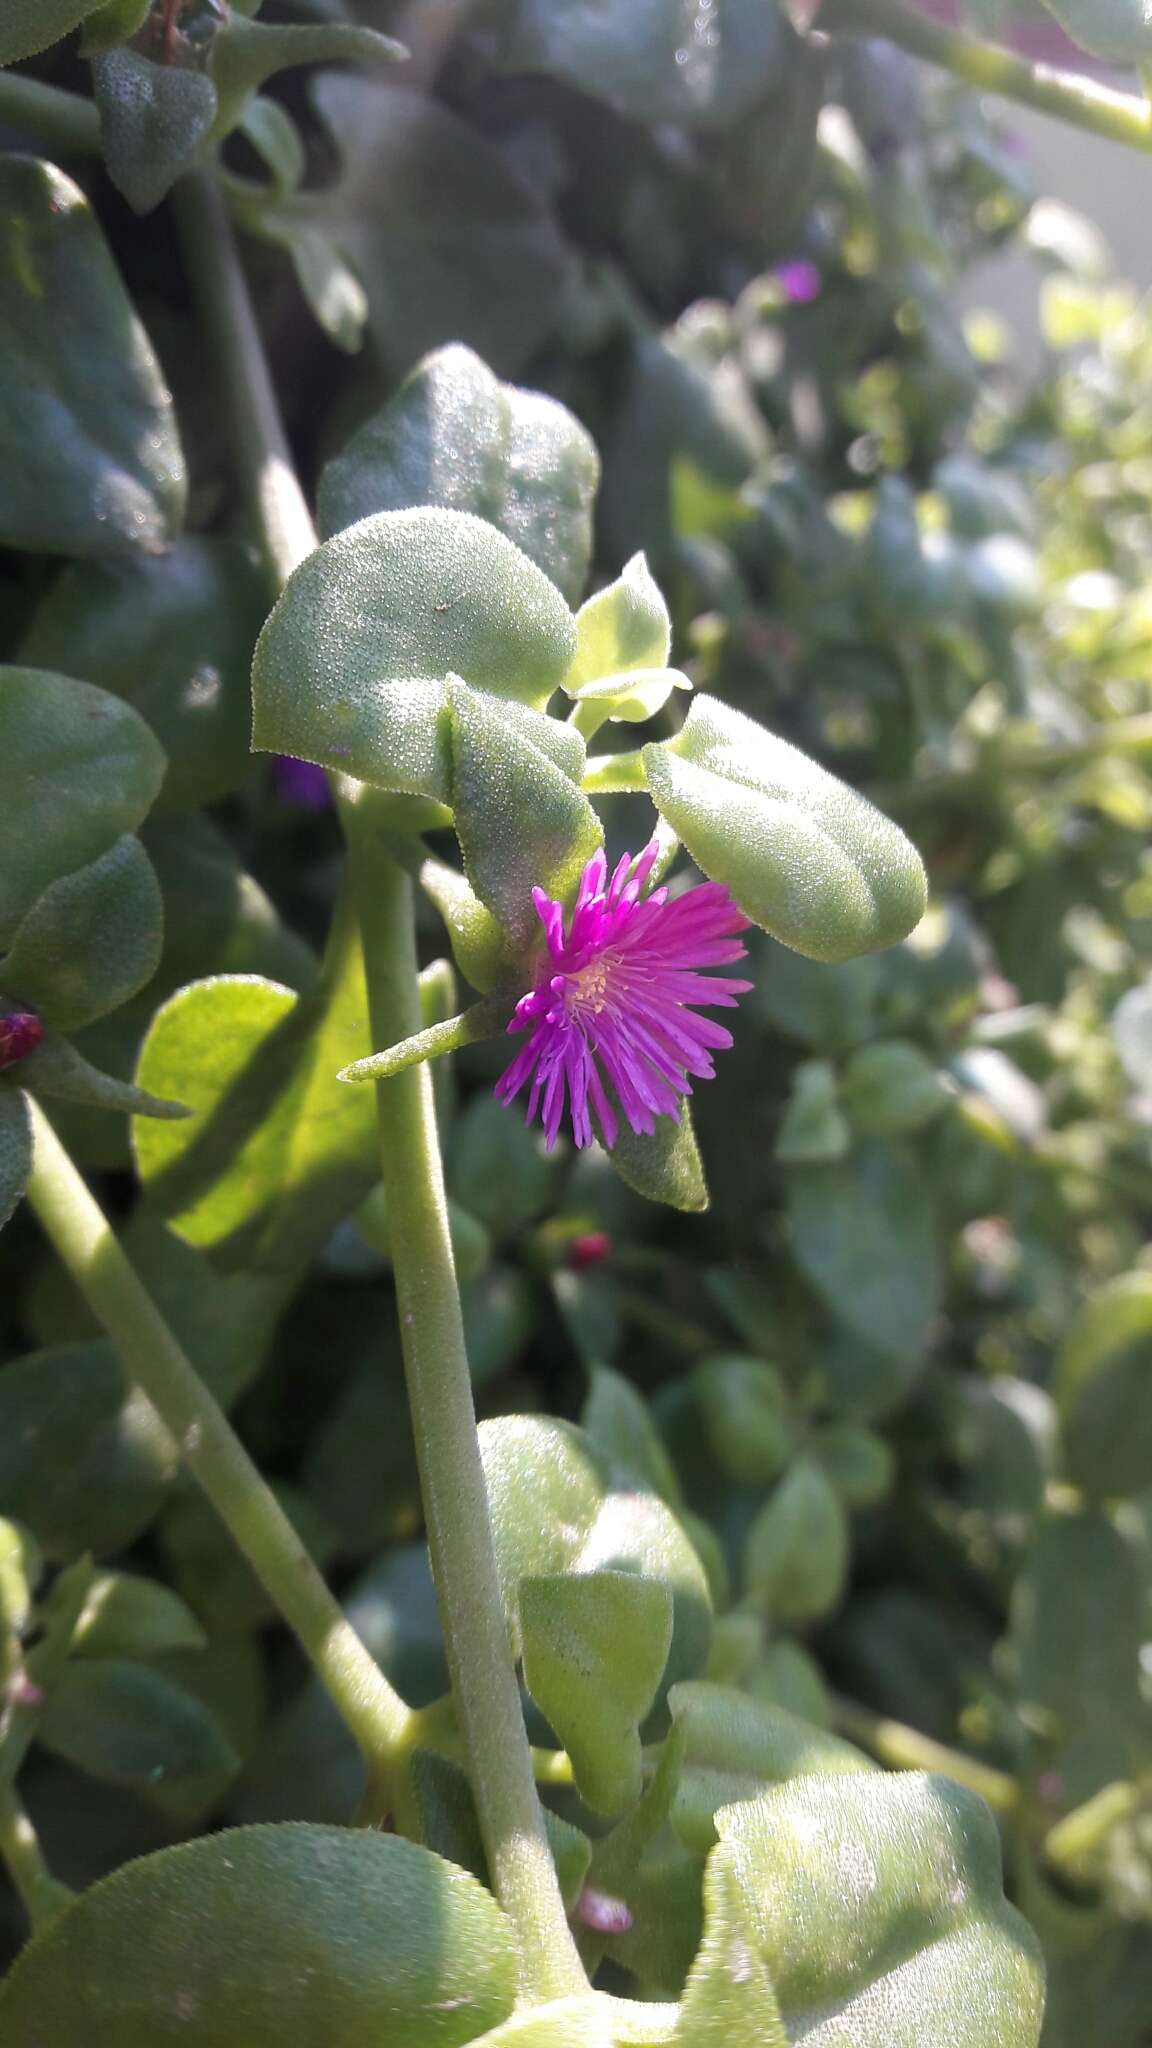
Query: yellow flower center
[[589, 987]]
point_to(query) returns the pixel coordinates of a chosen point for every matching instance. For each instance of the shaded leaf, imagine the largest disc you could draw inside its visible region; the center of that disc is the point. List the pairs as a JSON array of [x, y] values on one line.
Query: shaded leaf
[[154, 121], [668, 60], [77, 769], [865, 1235], [423, 196], [88, 440], [84, 1459], [92, 940], [173, 636], [126, 1725]]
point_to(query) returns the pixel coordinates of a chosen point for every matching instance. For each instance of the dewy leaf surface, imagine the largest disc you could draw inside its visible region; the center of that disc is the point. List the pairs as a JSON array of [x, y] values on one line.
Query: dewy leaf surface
[[876, 1903], [455, 435], [325, 1937], [350, 669], [804, 854]]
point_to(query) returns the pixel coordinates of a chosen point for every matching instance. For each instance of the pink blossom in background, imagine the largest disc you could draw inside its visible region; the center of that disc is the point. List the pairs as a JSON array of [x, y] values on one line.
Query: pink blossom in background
[[799, 280], [616, 996]]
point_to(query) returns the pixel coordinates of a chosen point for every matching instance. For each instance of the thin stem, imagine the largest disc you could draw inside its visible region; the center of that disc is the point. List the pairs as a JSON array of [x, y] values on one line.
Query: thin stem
[[61, 119], [906, 1749], [1074, 1840], [444, 1425], [153, 1359], [432, 1335], [1080, 101], [41, 1895], [276, 503]]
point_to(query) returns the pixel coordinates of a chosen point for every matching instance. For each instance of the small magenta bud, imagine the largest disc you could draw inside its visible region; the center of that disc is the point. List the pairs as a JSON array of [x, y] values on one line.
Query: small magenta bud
[[602, 1913], [20, 1033], [590, 1249]]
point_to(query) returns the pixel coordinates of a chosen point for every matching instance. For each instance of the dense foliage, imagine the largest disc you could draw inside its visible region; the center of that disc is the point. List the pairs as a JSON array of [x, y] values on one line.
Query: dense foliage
[[818, 1446]]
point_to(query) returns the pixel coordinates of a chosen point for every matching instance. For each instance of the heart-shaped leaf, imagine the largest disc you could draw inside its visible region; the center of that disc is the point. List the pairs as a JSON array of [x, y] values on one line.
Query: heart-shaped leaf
[[77, 769], [350, 669], [91, 941], [556, 1509], [88, 440], [804, 855], [154, 121], [623, 639], [729, 1994], [454, 435], [327, 1937], [876, 1904], [522, 824], [127, 1615]]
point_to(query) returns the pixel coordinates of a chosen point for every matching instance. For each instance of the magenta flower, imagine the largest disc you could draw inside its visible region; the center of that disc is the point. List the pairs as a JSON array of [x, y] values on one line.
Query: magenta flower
[[616, 997]]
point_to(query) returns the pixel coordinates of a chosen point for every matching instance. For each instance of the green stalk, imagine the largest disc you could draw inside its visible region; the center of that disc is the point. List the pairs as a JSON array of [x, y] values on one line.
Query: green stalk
[[91, 1252], [432, 1333], [1080, 101], [276, 504], [444, 1425], [906, 1749], [40, 1894], [1081, 1834]]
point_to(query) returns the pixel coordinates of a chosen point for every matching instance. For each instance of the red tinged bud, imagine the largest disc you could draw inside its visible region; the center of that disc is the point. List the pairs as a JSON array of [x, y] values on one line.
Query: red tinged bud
[[590, 1250], [20, 1033]]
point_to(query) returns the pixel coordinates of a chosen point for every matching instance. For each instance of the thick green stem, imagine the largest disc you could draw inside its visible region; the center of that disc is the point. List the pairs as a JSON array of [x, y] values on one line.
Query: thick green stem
[[444, 1424], [432, 1333], [1081, 101], [60, 120], [90, 1250]]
